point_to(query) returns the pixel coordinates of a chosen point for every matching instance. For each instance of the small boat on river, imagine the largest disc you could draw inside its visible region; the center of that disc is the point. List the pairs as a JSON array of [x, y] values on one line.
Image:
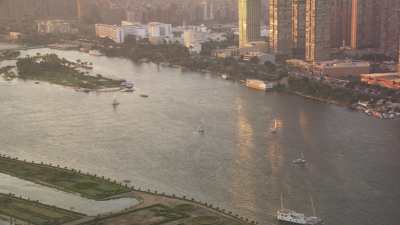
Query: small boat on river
[[293, 217], [274, 129], [300, 161]]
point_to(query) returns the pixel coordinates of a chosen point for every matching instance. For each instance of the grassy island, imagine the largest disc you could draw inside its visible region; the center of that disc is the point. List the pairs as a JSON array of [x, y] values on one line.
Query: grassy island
[[88, 186], [52, 69], [34, 212]]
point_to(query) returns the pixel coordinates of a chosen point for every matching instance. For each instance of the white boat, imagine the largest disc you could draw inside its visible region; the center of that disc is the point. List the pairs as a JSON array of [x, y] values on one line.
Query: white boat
[[127, 84], [291, 216], [300, 161], [224, 76], [200, 129], [274, 129], [95, 53], [256, 84], [115, 102]]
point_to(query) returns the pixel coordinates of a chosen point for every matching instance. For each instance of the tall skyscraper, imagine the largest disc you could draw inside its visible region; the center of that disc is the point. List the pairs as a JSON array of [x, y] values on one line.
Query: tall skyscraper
[[208, 10], [340, 23], [389, 26], [365, 16], [280, 25], [298, 26], [317, 30], [249, 21]]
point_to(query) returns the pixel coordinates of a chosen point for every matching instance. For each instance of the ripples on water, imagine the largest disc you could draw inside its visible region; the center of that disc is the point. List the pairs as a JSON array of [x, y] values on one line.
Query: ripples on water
[[354, 160]]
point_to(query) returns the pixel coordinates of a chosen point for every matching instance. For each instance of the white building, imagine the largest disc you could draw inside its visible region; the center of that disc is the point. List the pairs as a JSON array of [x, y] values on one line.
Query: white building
[[134, 29], [159, 30], [193, 39], [194, 36], [53, 26], [112, 32]]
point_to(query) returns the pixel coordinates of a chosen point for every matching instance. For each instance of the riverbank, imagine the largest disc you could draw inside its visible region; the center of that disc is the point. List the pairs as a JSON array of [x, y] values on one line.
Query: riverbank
[[35, 212], [378, 106], [153, 206], [322, 100], [176, 55], [86, 185]]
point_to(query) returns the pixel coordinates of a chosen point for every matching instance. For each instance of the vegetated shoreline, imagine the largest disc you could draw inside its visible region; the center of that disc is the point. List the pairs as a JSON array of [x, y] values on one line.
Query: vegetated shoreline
[[229, 68], [9, 209], [72, 181], [46, 170]]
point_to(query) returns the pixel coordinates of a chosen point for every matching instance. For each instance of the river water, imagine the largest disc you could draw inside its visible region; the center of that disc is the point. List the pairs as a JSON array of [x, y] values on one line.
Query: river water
[[353, 170]]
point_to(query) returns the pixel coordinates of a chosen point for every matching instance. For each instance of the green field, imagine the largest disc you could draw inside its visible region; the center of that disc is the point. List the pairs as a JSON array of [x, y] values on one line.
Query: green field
[[35, 213], [152, 215], [70, 181]]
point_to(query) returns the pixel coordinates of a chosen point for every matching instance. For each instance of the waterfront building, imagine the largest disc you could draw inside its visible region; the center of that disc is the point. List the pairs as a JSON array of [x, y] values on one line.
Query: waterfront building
[[232, 51], [112, 32], [134, 29], [53, 26], [317, 30], [388, 80], [193, 39], [249, 21], [341, 68], [159, 30], [280, 25]]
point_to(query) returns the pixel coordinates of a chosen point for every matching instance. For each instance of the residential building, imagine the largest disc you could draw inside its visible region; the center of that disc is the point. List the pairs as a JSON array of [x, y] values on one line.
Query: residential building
[[261, 57], [317, 30], [298, 27], [134, 29], [112, 32], [365, 23], [159, 30], [193, 39], [280, 25], [14, 36], [208, 10], [388, 80], [249, 21], [341, 68], [232, 51], [340, 27], [53, 26], [389, 26]]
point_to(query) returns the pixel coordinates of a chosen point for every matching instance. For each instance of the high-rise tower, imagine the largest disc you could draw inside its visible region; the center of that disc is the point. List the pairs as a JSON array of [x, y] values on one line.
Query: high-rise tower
[[298, 26], [317, 30], [280, 25], [249, 21]]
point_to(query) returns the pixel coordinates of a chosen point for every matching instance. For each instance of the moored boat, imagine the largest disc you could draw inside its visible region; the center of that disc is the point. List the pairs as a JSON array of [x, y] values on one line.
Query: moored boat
[[256, 84]]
